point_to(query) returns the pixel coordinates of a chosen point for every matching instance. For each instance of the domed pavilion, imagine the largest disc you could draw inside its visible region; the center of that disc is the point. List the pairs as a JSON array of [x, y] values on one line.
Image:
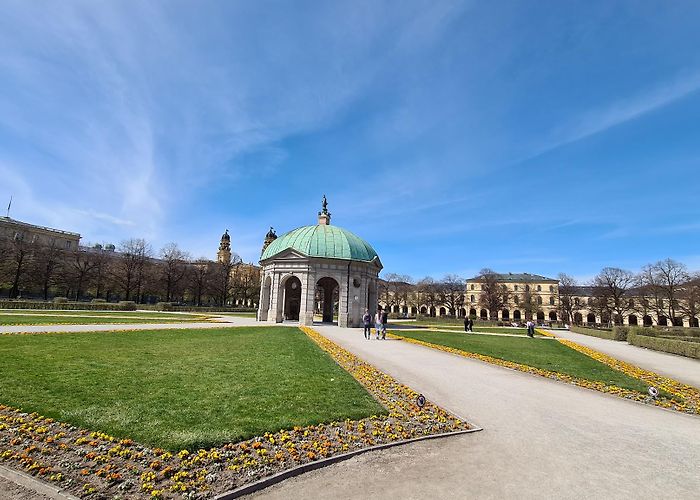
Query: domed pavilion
[[321, 269]]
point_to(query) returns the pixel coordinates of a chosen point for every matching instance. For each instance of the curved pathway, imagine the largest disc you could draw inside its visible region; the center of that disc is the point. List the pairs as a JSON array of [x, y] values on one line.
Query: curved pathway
[[681, 368], [541, 438]]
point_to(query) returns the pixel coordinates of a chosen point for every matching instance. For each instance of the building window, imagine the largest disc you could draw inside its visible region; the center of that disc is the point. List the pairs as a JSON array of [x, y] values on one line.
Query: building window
[[473, 299], [68, 245], [472, 287], [516, 299], [515, 288], [551, 301], [539, 288], [527, 288], [539, 300], [551, 288]]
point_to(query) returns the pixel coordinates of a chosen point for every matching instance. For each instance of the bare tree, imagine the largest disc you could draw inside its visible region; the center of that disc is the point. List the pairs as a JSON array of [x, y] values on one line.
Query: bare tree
[[568, 301], [613, 284], [451, 292], [427, 292], [128, 270], [690, 298], [493, 296], [670, 278], [17, 264], [46, 267], [79, 269], [172, 269], [220, 284]]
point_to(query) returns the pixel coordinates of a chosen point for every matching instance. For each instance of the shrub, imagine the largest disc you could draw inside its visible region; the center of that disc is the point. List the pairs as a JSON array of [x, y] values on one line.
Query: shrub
[[98, 301], [620, 332], [164, 306], [60, 300], [593, 332], [127, 305], [60, 306], [647, 337]]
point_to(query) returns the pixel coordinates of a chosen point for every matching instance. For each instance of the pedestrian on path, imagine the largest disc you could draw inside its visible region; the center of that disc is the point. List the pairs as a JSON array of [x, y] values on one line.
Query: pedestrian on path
[[530, 329], [471, 325], [378, 321], [466, 324], [367, 322], [385, 320]]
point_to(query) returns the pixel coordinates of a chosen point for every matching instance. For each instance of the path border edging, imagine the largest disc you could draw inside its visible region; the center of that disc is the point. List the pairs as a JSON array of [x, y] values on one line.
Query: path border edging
[[261, 484], [33, 484]]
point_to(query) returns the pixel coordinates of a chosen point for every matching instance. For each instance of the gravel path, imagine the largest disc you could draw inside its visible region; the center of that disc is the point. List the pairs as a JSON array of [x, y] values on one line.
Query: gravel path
[[683, 369], [541, 438]]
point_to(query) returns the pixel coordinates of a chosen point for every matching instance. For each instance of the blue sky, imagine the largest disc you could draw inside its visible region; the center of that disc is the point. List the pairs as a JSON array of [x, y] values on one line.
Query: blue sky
[[523, 136]]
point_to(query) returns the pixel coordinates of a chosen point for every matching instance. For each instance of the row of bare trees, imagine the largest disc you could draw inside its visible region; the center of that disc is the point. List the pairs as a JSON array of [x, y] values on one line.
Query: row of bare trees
[[133, 271], [399, 290], [664, 291]]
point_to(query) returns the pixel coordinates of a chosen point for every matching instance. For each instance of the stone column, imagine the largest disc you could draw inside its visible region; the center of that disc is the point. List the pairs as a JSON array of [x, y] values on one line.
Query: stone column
[[308, 289]]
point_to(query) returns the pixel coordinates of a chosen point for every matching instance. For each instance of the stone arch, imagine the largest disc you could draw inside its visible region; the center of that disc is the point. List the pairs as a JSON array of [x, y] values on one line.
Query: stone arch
[[578, 318], [472, 312], [265, 299], [484, 314], [423, 310], [462, 312], [516, 315], [327, 297], [590, 318], [694, 322], [443, 311], [432, 311], [413, 310], [540, 315], [647, 321], [663, 321], [505, 315], [290, 290], [552, 316], [632, 320]]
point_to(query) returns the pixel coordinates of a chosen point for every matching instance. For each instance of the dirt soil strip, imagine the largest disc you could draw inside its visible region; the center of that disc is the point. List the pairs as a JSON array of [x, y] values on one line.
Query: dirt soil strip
[[21, 485]]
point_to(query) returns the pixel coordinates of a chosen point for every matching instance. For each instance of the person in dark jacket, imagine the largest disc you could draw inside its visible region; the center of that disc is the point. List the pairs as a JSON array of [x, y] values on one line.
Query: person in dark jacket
[[385, 320], [471, 325], [466, 324], [367, 322]]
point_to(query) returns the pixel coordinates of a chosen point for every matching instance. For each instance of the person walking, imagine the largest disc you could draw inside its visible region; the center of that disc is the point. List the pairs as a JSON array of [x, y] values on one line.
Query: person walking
[[466, 324], [367, 322], [530, 329], [471, 325], [385, 320], [378, 321]]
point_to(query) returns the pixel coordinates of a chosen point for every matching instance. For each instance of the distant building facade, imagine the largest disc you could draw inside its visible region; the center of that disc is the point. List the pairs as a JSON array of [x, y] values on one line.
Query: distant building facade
[[12, 229]]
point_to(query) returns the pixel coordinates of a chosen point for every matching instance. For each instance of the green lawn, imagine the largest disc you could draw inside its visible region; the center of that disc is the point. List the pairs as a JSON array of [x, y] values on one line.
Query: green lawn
[[484, 329], [538, 353], [180, 389], [82, 312], [44, 319]]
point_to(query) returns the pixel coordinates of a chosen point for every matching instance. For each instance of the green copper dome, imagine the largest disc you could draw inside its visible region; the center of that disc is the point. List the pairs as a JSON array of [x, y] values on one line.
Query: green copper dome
[[330, 242]]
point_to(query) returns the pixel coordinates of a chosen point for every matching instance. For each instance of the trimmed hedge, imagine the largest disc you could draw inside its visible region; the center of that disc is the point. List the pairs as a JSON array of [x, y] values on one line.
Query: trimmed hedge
[[617, 332], [67, 306], [640, 338]]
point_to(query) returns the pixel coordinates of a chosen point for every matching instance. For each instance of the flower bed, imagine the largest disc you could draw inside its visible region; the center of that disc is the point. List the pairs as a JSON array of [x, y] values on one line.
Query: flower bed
[[94, 464], [691, 403]]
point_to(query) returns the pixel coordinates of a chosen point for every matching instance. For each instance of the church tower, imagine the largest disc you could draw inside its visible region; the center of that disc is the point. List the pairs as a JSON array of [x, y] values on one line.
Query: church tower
[[269, 238], [224, 253]]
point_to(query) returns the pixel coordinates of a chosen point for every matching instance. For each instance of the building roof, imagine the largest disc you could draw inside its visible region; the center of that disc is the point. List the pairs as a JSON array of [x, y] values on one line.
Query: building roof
[[518, 278], [26, 225], [325, 241]]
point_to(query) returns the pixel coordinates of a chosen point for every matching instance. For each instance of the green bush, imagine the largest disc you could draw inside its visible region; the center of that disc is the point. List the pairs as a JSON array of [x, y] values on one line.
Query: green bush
[[127, 305], [164, 306], [98, 301], [593, 332], [60, 300], [641, 338], [620, 332], [61, 306]]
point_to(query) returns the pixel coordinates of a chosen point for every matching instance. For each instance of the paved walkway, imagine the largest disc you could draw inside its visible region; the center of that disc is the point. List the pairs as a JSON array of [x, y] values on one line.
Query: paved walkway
[[683, 369], [541, 438]]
